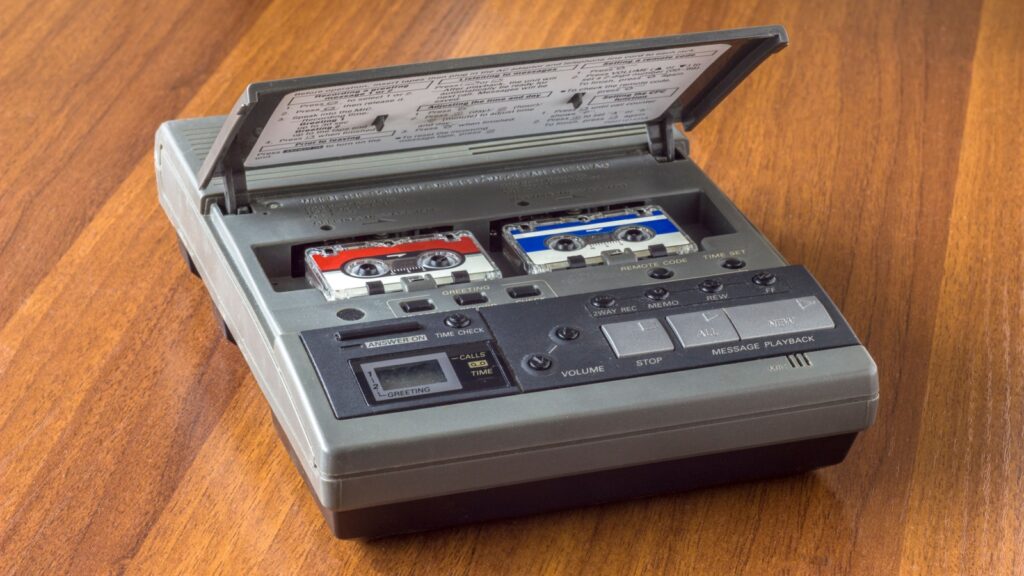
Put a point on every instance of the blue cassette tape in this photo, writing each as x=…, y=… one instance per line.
x=576, y=241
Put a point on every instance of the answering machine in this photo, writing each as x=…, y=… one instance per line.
x=495, y=286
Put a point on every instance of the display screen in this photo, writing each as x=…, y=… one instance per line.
x=409, y=375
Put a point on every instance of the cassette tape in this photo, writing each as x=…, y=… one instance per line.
x=576, y=241
x=358, y=269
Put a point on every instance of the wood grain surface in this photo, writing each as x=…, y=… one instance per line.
x=884, y=150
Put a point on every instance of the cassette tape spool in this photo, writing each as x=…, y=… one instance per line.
x=343, y=271
x=576, y=241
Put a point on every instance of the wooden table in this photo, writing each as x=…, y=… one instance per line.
x=883, y=150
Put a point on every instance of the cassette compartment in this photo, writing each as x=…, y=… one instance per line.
x=692, y=210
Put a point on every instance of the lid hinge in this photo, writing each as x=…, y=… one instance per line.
x=661, y=139
x=235, y=186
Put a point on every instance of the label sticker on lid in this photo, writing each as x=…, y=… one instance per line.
x=477, y=105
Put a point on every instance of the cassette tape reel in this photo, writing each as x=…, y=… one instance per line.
x=575, y=241
x=343, y=271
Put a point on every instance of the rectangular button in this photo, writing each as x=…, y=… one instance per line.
x=703, y=328
x=470, y=298
x=780, y=317
x=637, y=337
x=411, y=306
x=523, y=291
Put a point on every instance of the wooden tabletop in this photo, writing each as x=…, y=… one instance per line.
x=883, y=150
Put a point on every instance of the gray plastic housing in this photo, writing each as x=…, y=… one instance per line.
x=246, y=261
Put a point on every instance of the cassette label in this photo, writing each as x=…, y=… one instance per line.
x=550, y=244
x=358, y=269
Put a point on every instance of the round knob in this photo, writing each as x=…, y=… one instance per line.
x=457, y=320
x=567, y=333
x=538, y=362
x=710, y=286
x=764, y=279
x=658, y=293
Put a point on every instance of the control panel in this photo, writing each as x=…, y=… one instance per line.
x=664, y=326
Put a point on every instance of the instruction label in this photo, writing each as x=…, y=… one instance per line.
x=476, y=105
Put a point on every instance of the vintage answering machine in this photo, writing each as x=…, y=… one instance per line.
x=494, y=286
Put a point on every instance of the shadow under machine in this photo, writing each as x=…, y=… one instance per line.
x=494, y=286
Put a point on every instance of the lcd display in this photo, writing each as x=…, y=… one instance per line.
x=409, y=375
x=398, y=378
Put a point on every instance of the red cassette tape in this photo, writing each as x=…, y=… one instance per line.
x=343, y=271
